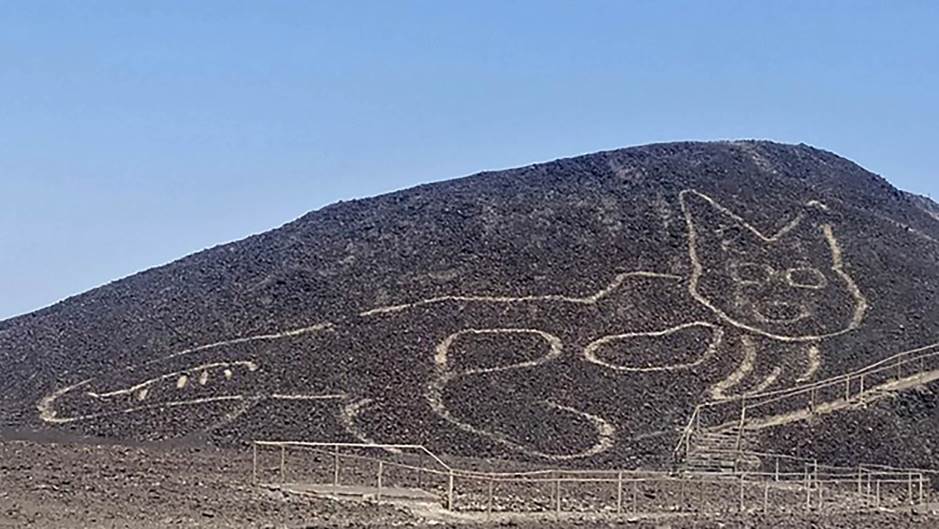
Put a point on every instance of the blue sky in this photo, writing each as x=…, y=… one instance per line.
x=133, y=133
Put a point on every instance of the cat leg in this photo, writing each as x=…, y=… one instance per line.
x=813, y=361
x=726, y=388
x=766, y=365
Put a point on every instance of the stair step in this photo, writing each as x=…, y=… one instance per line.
x=722, y=456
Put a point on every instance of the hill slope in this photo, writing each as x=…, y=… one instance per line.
x=573, y=311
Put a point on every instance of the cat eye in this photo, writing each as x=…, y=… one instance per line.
x=750, y=273
x=806, y=278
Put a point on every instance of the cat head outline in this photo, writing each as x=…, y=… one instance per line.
x=791, y=286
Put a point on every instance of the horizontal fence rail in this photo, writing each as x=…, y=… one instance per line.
x=413, y=473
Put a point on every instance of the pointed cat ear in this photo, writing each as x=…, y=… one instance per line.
x=716, y=227
x=711, y=220
x=809, y=231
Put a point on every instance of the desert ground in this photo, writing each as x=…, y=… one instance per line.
x=56, y=483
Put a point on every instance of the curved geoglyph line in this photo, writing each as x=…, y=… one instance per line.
x=46, y=405
x=718, y=390
x=837, y=266
x=442, y=351
x=443, y=372
x=289, y=333
x=590, y=352
x=814, y=362
x=604, y=431
x=348, y=415
x=180, y=376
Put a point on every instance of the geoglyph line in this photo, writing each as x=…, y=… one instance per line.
x=176, y=374
x=50, y=415
x=441, y=358
x=588, y=300
x=590, y=352
x=604, y=431
x=746, y=366
x=815, y=361
x=328, y=396
x=348, y=415
x=837, y=266
x=324, y=326
x=767, y=382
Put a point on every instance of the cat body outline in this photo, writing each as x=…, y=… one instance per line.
x=708, y=226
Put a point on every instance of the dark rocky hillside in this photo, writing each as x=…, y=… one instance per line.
x=571, y=312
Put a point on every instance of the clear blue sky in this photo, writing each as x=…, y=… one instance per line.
x=135, y=132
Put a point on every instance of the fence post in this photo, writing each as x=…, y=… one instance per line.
x=381, y=468
x=860, y=482
x=818, y=484
x=927, y=483
x=557, y=493
x=922, y=498
x=808, y=490
x=877, y=503
x=821, y=493
x=812, y=403
x=861, y=392
x=420, y=469
x=777, y=469
x=910, y=489
x=489, y=502
x=450, y=492
x=635, y=496
x=766, y=497
x=283, y=463
x=681, y=495
x=254, y=463
x=619, y=492
x=335, y=465
x=701, y=496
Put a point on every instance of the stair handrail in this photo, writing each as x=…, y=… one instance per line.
x=758, y=399
x=684, y=440
x=767, y=397
x=894, y=362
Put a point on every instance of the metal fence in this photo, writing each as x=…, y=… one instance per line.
x=380, y=472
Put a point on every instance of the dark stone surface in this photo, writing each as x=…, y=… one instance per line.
x=566, y=228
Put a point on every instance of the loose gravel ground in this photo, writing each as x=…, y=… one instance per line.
x=72, y=484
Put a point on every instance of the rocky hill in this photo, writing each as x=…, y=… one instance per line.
x=571, y=312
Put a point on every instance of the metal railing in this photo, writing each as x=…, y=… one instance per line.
x=809, y=399
x=798, y=484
